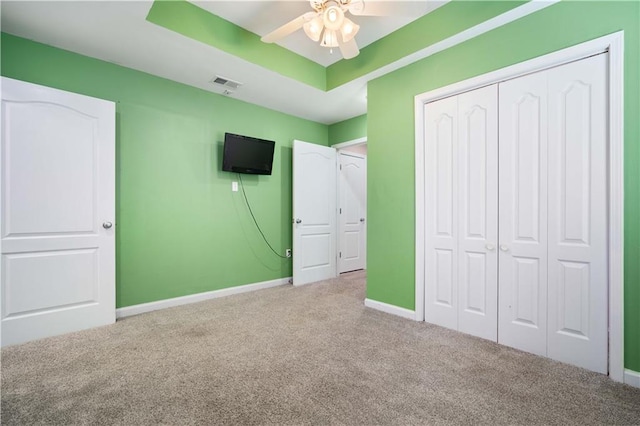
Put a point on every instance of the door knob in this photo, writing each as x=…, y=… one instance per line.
x=504, y=248
x=489, y=247
x=362, y=219
x=107, y=225
x=298, y=220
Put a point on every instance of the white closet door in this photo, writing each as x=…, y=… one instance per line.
x=523, y=213
x=478, y=212
x=578, y=213
x=441, y=221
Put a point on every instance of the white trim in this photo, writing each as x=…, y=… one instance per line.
x=390, y=309
x=199, y=297
x=632, y=378
x=420, y=208
x=353, y=142
x=616, y=206
x=613, y=44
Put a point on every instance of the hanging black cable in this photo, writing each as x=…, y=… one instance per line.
x=246, y=200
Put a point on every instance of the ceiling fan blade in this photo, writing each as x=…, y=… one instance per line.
x=381, y=8
x=288, y=28
x=348, y=49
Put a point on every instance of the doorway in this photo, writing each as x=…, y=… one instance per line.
x=352, y=205
x=329, y=210
x=352, y=209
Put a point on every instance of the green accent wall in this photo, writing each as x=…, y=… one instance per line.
x=436, y=26
x=390, y=130
x=196, y=23
x=191, y=21
x=180, y=230
x=348, y=130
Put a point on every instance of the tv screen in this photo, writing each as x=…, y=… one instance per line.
x=244, y=154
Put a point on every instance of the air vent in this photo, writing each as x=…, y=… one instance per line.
x=222, y=81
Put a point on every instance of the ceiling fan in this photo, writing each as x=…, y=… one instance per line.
x=328, y=24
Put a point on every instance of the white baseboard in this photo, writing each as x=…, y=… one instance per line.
x=632, y=378
x=390, y=309
x=199, y=297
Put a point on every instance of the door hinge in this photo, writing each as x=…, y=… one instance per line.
x=340, y=166
x=340, y=210
x=340, y=255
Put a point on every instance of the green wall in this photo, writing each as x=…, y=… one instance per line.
x=348, y=130
x=390, y=130
x=198, y=24
x=436, y=26
x=180, y=230
x=194, y=22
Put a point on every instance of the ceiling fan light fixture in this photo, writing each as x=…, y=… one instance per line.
x=349, y=29
x=333, y=17
x=327, y=24
x=313, y=28
x=329, y=38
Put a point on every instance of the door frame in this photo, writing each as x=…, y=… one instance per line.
x=338, y=147
x=614, y=45
x=346, y=144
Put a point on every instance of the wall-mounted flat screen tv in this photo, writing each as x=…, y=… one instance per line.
x=244, y=154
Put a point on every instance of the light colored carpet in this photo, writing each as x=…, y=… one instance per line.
x=310, y=355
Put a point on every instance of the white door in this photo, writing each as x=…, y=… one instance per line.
x=58, y=212
x=441, y=212
x=461, y=212
x=578, y=281
x=523, y=213
x=314, y=212
x=478, y=212
x=352, y=209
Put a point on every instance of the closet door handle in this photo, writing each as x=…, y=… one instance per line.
x=490, y=247
x=504, y=248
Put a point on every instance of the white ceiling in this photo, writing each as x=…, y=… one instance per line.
x=263, y=16
x=117, y=31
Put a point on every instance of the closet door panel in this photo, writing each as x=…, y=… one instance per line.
x=441, y=248
x=578, y=282
x=522, y=321
x=478, y=212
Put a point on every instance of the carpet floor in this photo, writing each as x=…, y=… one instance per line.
x=308, y=355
